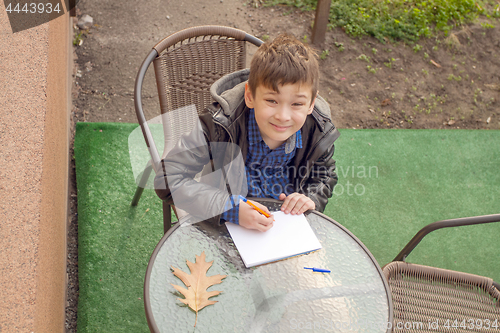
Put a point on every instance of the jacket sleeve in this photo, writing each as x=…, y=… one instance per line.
x=175, y=179
x=322, y=179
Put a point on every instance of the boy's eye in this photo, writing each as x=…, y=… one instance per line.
x=271, y=101
x=298, y=104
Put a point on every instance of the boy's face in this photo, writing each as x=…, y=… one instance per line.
x=280, y=114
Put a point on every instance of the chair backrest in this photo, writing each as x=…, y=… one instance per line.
x=190, y=61
x=432, y=297
x=186, y=64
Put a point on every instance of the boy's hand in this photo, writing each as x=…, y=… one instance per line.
x=296, y=203
x=251, y=219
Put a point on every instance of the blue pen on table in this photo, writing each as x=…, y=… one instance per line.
x=322, y=270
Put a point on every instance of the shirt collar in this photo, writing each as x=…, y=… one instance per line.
x=295, y=141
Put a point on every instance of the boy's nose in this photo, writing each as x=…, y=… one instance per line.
x=283, y=114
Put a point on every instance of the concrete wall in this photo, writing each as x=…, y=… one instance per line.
x=35, y=101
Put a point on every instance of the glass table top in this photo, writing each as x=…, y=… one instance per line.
x=276, y=297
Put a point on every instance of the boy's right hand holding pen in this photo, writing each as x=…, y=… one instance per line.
x=251, y=218
x=254, y=215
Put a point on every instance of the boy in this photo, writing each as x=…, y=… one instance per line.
x=272, y=112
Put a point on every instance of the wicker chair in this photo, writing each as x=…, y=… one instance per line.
x=186, y=64
x=429, y=299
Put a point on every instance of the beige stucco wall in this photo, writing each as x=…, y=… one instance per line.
x=34, y=137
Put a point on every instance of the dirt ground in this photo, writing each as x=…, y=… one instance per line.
x=451, y=82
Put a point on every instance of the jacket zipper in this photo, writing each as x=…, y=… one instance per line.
x=223, y=126
x=302, y=181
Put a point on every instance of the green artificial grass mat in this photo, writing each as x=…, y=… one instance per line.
x=391, y=184
x=115, y=240
x=394, y=182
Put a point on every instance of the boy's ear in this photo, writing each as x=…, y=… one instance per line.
x=248, y=96
x=311, y=108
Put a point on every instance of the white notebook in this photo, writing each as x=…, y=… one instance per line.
x=290, y=235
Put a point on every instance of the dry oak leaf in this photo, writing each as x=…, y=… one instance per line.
x=196, y=296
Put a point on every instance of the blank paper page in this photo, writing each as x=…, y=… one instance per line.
x=290, y=235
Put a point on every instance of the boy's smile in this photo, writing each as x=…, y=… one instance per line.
x=280, y=114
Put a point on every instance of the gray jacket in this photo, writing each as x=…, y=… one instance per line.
x=221, y=138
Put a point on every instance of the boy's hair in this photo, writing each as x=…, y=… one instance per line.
x=285, y=60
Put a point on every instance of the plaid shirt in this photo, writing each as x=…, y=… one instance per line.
x=266, y=170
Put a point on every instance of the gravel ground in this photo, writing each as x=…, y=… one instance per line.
x=72, y=240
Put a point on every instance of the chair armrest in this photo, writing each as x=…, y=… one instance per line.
x=443, y=224
x=148, y=137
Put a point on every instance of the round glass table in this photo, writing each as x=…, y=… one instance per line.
x=276, y=297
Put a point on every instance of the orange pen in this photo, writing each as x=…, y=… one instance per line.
x=254, y=207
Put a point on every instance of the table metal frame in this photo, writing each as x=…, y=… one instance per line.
x=269, y=203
